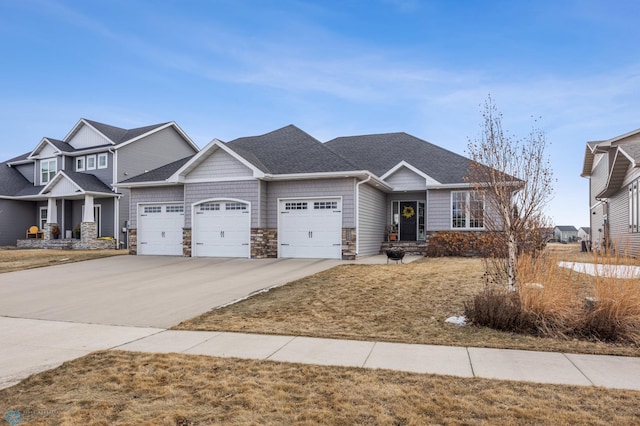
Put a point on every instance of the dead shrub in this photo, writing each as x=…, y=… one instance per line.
x=497, y=308
x=456, y=243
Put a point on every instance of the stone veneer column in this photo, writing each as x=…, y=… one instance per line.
x=133, y=241
x=264, y=243
x=186, y=242
x=48, y=230
x=349, y=243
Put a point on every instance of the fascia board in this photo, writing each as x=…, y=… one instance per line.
x=61, y=175
x=626, y=135
x=629, y=157
x=360, y=174
x=145, y=184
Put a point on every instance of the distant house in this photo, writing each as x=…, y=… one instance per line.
x=67, y=191
x=584, y=233
x=613, y=169
x=565, y=234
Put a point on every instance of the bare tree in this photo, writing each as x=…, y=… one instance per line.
x=516, y=177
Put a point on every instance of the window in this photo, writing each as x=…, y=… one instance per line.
x=467, y=210
x=235, y=206
x=153, y=209
x=325, y=205
x=43, y=217
x=175, y=209
x=634, y=207
x=103, y=161
x=91, y=162
x=48, y=169
x=295, y=206
x=79, y=164
x=209, y=207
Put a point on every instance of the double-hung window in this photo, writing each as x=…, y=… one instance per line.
x=467, y=210
x=103, y=160
x=91, y=162
x=79, y=164
x=48, y=169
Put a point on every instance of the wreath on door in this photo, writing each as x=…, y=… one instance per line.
x=408, y=212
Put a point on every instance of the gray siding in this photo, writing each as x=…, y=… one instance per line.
x=599, y=176
x=152, y=152
x=371, y=220
x=86, y=137
x=26, y=170
x=105, y=175
x=241, y=190
x=262, y=213
x=162, y=194
x=620, y=235
x=15, y=218
x=220, y=165
x=344, y=188
x=439, y=210
x=106, y=220
x=405, y=179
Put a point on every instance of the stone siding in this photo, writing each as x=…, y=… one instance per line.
x=349, y=243
x=186, y=242
x=133, y=241
x=264, y=243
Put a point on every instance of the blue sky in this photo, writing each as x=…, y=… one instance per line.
x=231, y=68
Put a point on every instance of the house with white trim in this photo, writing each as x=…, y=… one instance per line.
x=67, y=188
x=286, y=194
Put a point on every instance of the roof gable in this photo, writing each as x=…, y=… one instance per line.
x=47, y=148
x=71, y=184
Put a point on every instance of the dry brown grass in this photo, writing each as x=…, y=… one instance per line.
x=395, y=303
x=118, y=388
x=17, y=260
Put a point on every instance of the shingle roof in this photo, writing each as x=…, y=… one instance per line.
x=567, y=228
x=88, y=182
x=119, y=135
x=381, y=152
x=289, y=150
x=159, y=174
x=11, y=181
x=633, y=149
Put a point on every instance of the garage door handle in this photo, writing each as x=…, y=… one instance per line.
x=310, y=234
x=163, y=235
x=221, y=234
x=284, y=244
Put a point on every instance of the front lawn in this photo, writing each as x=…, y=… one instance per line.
x=12, y=259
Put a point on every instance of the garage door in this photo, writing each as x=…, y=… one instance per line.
x=311, y=228
x=222, y=229
x=160, y=229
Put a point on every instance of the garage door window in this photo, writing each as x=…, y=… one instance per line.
x=235, y=206
x=153, y=209
x=325, y=205
x=208, y=207
x=175, y=209
x=295, y=206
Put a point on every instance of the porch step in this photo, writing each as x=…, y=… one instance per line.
x=418, y=248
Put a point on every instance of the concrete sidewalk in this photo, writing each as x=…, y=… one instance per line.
x=31, y=346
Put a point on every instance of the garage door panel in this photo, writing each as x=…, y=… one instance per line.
x=311, y=228
x=160, y=229
x=222, y=229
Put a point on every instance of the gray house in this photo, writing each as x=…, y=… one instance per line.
x=67, y=188
x=613, y=169
x=286, y=194
x=565, y=234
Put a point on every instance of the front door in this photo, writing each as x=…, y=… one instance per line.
x=408, y=220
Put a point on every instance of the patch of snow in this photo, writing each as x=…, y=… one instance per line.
x=462, y=320
x=617, y=271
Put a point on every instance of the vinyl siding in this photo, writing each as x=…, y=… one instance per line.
x=620, y=235
x=105, y=175
x=106, y=219
x=86, y=137
x=47, y=151
x=248, y=191
x=220, y=165
x=406, y=180
x=163, y=194
x=599, y=176
x=344, y=188
x=438, y=210
x=15, y=218
x=152, y=152
x=262, y=212
x=372, y=220
x=26, y=170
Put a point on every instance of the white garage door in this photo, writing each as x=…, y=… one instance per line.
x=311, y=228
x=160, y=229
x=222, y=229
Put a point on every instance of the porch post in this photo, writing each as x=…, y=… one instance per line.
x=52, y=211
x=87, y=214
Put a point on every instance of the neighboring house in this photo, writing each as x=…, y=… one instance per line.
x=584, y=233
x=613, y=169
x=565, y=234
x=70, y=185
x=286, y=194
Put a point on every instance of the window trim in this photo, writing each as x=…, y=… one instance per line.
x=78, y=160
x=95, y=164
x=466, y=211
x=50, y=174
x=106, y=160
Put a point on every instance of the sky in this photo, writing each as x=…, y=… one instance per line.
x=232, y=68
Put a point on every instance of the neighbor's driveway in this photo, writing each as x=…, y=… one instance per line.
x=142, y=291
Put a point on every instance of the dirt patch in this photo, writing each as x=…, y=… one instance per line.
x=17, y=260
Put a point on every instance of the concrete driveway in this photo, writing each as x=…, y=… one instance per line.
x=142, y=291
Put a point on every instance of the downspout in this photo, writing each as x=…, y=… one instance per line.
x=357, y=205
x=116, y=201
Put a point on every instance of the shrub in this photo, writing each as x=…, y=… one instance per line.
x=456, y=243
x=497, y=308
